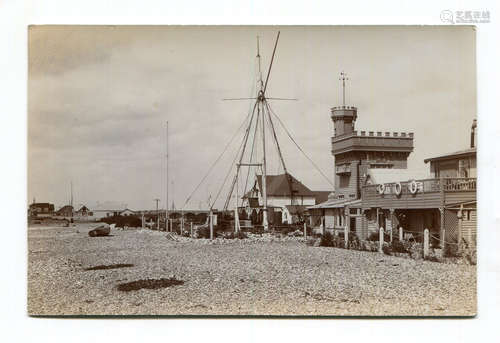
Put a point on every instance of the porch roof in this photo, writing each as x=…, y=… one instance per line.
x=336, y=203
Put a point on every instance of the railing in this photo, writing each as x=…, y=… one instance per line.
x=343, y=169
x=459, y=184
x=423, y=186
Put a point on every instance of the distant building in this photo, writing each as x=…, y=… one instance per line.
x=287, y=200
x=128, y=212
x=41, y=209
x=65, y=211
x=107, y=209
x=83, y=214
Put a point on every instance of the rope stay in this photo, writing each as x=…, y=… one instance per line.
x=228, y=144
x=229, y=171
x=300, y=149
x=216, y=161
x=287, y=175
x=251, y=156
x=244, y=145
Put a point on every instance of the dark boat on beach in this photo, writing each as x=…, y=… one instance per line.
x=102, y=230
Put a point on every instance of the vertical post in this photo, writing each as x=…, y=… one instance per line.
x=236, y=220
x=166, y=204
x=460, y=222
x=142, y=220
x=191, y=235
x=305, y=230
x=181, y=229
x=157, y=215
x=426, y=243
x=392, y=222
x=346, y=236
x=380, y=239
x=211, y=225
x=442, y=232
x=400, y=234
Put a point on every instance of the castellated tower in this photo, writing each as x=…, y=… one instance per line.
x=357, y=152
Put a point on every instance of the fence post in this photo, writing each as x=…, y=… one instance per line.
x=142, y=221
x=400, y=234
x=380, y=239
x=346, y=236
x=191, y=235
x=305, y=231
x=426, y=243
x=459, y=231
x=211, y=226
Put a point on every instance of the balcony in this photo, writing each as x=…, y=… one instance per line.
x=430, y=193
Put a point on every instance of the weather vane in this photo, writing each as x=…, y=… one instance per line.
x=343, y=78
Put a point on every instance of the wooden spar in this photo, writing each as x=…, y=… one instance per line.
x=264, y=172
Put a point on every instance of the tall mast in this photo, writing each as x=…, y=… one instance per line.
x=261, y=99
x=264, y=171
x=166, y=203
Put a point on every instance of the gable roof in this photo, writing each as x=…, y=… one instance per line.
x=321, y=196
x=65, y=208
x=336, y=203
x=279, y=185
x=461, y=153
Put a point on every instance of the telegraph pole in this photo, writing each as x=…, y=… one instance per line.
x=166, y=206
x=157, y=215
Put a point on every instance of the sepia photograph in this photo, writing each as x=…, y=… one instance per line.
x=252, y=171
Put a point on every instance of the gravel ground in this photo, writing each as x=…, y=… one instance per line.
x=237, y=277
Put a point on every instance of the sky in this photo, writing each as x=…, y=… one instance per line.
x=99, y=98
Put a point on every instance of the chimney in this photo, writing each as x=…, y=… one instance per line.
x=473, y=134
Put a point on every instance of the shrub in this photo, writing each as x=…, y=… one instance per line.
x=398, y=246
x=327, y=240
x=311, y=241
x=354, y=242
x=122, y=221
x=471, y=256
x=374, y=236
x=451, y=250
x=386, y=248
x=204, y=232
x=257, y=230
x=237, y=235
x=432, y=258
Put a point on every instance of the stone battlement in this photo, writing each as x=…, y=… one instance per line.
x=335, y=108
x=378, y=134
